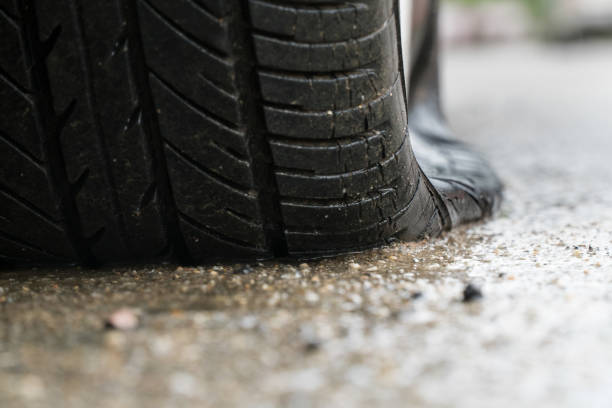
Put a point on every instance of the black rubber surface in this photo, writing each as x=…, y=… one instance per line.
x=191, y=130
x=465, y=182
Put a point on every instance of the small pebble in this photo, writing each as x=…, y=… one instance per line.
x=312, y=345
x=243, y=270
x=471, y=293
x=123, y=319
x=311, y=297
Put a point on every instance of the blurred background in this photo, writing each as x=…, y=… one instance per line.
x=502, y=20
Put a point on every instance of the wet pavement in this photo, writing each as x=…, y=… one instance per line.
x=394, y=326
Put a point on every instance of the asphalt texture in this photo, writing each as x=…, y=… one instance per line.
x=516, y=311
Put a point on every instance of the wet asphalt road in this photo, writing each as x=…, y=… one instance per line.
x=383, y=328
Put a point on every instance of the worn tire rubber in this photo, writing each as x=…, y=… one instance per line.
x=192, y=130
